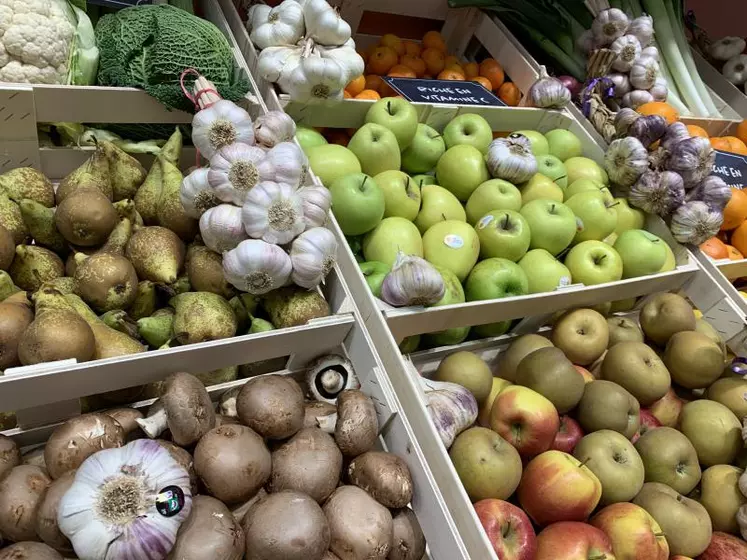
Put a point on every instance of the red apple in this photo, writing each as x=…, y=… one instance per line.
x=667, y=409
x=569, y=434
x=556, y=487
x=634, y=534
x=648, y=422
x=571, y=540
x=585, y=373
x=725, y=547
x=508, y=528
x=525, y=419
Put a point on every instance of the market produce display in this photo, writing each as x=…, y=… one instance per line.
x=619, y=436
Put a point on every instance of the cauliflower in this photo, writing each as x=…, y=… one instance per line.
x=39, y=41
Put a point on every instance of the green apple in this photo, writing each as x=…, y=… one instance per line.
x=398, y=115
x=585, y=168
x=453, y=294
x=552, y=168
x=540, y=186
x=552, y=224
x=670, y=263
x=582, y=185
x=309, y=138
x=391, y=236
x=469, y=129
x=423, y=153
x=495, y=279
x=564, y=145
x=423, y=180
x=401, y=194
x=375, y=272
x=332, y=161
x=540, y=145
x=409, y=344
x=595, y=216
x=490, y=330
x=627, y=217
x=376, y=148
x=504, y=234
x=452, y=245
x=357, y=202
x=642, y=252
x=461, y=170
x=438, y=205
x=495, y=194
x=594, y=262
x=544, y=271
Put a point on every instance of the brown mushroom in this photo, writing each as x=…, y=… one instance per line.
x=408, y=542
x=328, y=376
x=185, y=460
x=10, y=455
x=317, y=409
x=21, y=494
x=385, y=476
x=209, y=533
x=232, y=462
x=271, y=405
x=29, y=551
x=127, y=418
x=46, y=517
x=357, y=426
x=77, y=439
x=186, y=410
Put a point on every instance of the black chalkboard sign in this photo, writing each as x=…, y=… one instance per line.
x=443, y=92
x=732, y=168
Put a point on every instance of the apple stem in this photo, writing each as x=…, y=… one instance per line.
x=389, y=107
x=507, y=530
x=365, y=178
x=583, y=464
x=658, y=535
x=613, y=205
x=443, y=216
x=552, y=208
x=505, y=223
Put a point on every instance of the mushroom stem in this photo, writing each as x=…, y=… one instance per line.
x=327, y=423
x=332, y=381
x=154, y=425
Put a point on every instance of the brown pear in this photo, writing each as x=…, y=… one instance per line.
x=106, y=281
x=27, y=182
x=92, y=174
x=33, y=265
x=86, y=218
x=7, y=248
x=14, y=318
x=12, y=220
x=205, y=271
x=127, y=174
x=40, y=222
x=170, y=212
x=157, y=254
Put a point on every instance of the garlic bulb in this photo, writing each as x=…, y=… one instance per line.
x=313, y=254
x=625, y=161
x=676, y=133
x=273, y=212
x=287, y=164
x=609, y=25
x=624, y=119
x=727, y=48
x=585, y=42
x=222, y=228
x=452, y=408
x=274, y=127
x=512, y=159
x=650, y=52
x=627, y=49
x=235, y=170
x=276, y=62
x=257, y=267
x=648, y=129
x=643, y=73
x=660, y=90
x=548, y=93
x=314, y=79
x=317, y=200
x=643, y=29
x=196, y=194
x=713, y=191
x=636, y=98
x=284, y=26
x=735, y=69
x=694, y=223
x=220, y=125
x=257, y=15
x=622, y=83
x=347, y=57
x=412, y=281
x=324, y=24
x=693, y=159
x=126, y=503
x=659, y=193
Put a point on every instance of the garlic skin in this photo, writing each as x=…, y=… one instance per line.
x=257, y=267
x=286, y=163
x=452, y=407
x=676, y=133
x=314, y=79
x=511, y=159
x=624, y=119
x=256, y=15
x=727, y=48
x=622, y=83
x=274, y=127
x=222, y=228
x=627, y=49
x=347, y=57
x=660, y=90
x=735, y=69
x=643, y=73
x=713, y=191
x=659, y=193
x=693, y=159
x=548, y=93
x=313, y=254
x=277, y=62
x=118, y=504
x=220, y=125
x=196, y=194
x=412, y=281
x=317, y=200
x=648, y=129
x=625, y=161
x=284, y=26
x=636, y=98
x=235, y=170
x=651, y=52
x=609, y=25
x=695, y=223
x=643, y=29
x=273, y=212
x=324, y=25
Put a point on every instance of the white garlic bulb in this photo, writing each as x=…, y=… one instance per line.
x=511, y=159
x=222, y=228
x=548, y=93
x=273, y=212
x=126, y=503
x=314, y=79
x=276, y=62
x=256, y=15
x=627, y=49
x=274, y=127
x=643, y=73
x=660, y=89
x=220, y=125
x=257, y=267
x=643, y=29
x=650, y=52
x=287, y=164
x=317, y=200
x=609, y=25
x=324, y=24
x=313, y=254
x=284, y=26
x=727, y=48
x=622, y=83
x=196, y=195
x=636, y=98
x=625, y=161
x=235, y=170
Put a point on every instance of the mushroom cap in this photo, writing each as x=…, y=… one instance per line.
x=185, y=460
x=46, y=518
x=385, y=476
x=408, y=542
x=329, y=375
x=126, y=417
x=357, y=428
x=272, y=405
x=210, y=531
x=21, y=494
x=316, y=409
x=188, y=408
x=10, y=455
x=29, y=550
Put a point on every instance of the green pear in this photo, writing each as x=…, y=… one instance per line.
x=293, y=306
x=93, y=173
x=157, y=254
x=202, y=316
x=260, y=325
x=148, y=196
x=146, y=300
x=127, y=174
x=119, y=237
x=7, y=287
x=157, y=329
x=120, y=321
x=171, y=213
x=33, y=266
x=205, y=271
x=12, y=219
x=27, y=182
x=172, y=149
x=40, y=222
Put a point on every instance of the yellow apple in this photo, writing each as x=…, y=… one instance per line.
x=634, y=534
x=483, y=418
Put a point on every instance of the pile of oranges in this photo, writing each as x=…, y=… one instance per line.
x=731, y=242
x=401, y=58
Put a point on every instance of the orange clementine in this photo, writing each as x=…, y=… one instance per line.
x=487, y=63
x=368, y=94
x=374, y=83
x=337, y=136
x=742, y=131
x=471, y=70
x=346, y=95
x=435, y=61
x=696, y=130
x=455, y=68
x=401, y=71
x=356, y=85
x=659, y=108
x=494, y=73
x=412, y=48
x=734, y=254
x=720, y=143
x=392, y=41
x=735, y=212
x=715, y=248
x=433, y=40
x=381, y=60
x=451, y=59
x=427, y=76
x=484, y=82
x=739, y=238
x=736, y=145
x=450, y=75
x=414, y=63
x=510, y=94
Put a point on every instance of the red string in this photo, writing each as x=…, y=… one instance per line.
x=188, y=95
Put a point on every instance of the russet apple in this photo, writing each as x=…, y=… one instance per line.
x=376, y=148
x=634, y=534
x=526, y=419
x=669, y=458
x=667, y=409
x=723, y=547
x=398, y=115
x=624, y=329
x=720, y=495
x=483, y=417
x=571, y=540
x=495, y=194
x=563, y=144
x=461, y=170
x=607, y=406
x=713, y=429
x=582, y=334
x=568, y=436
x=556, y=487
x=453, y=245
x=637, y=368
x=730, y=392
x=508, y=528
x=509, y=359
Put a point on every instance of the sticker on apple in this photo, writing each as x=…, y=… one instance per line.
x=564, y=282
x=579, y=224
x=484, y=222
x=454, y=241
